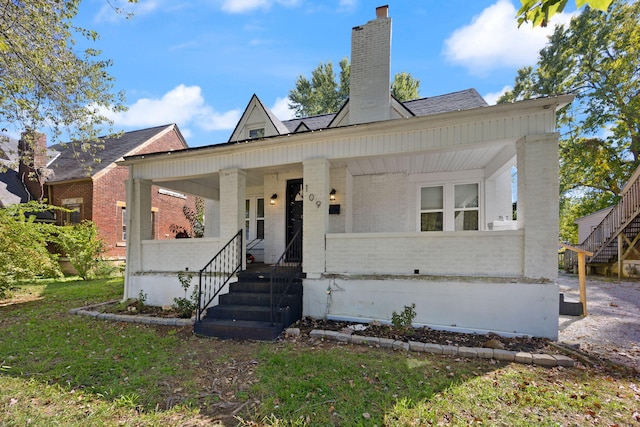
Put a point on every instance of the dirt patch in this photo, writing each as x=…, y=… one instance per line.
x=611, y=329
x=133, y=307
x=426, y=335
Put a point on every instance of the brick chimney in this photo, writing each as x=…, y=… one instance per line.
x=32, y=150
x=369, y=91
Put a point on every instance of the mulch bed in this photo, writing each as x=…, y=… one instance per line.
x=426, y=335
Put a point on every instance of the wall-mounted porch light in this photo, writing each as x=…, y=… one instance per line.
x=332, y=195
x=274, y=196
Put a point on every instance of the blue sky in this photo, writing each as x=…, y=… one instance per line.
x=197, y=62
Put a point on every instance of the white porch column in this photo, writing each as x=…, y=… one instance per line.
x=139, y=225
x=315, y=215
x=538, y=210
x=233, y=184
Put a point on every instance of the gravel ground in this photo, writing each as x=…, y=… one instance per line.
x=611, y=329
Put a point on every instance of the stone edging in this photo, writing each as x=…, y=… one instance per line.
x=147, y=320
x=546, y=360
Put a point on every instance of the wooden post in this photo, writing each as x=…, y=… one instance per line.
x=620, y=241
x=582, y=273
x=582, y=280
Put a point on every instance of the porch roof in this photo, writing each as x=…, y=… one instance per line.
x=480, y=138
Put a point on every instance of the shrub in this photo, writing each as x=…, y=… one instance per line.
x=23, y=246
x=186, y=306
x=83, y=246
x=404, y=319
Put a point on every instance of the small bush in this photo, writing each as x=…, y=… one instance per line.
x=404, y=319
x=186, y=306
x=83, y=246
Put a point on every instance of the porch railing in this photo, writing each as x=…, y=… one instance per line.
x=283, y=273
x=218, y=272
x=615, y=222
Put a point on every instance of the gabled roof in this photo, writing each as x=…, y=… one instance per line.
x=462, y=100
x=309, y=123
x=73, y=163
x=276, y=126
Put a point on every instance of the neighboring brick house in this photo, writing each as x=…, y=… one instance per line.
x=95, y=190
x=398, y=203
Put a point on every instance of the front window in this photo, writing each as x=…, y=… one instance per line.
x=431, y=208
x=254, y=218
x=466, y=207
x=450, y=207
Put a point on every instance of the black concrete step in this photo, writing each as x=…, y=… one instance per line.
x=238, y=329
x=256, y=298
x=265, y=287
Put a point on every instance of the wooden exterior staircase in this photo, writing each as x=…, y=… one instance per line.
x=618, y=234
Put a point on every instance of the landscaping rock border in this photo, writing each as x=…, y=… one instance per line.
x=540, y=359
x=147, y=320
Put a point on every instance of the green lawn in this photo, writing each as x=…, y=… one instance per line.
x=61, y=369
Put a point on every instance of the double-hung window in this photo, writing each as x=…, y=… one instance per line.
x=254, y=218
x=449, y=207
x=466, y=206
x=432, y=208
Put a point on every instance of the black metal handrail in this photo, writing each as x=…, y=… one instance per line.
x=285, y=271
x=252, y=244
x=217, y=273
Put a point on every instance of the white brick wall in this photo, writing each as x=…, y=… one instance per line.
x=465, y=253
x=380, y=203
x=179, y=254
x=538, y=209
x=369, y=98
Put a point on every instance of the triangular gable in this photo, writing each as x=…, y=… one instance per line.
x=302, y=127
x=257, y=121
x=399, y=110
x=342, y=116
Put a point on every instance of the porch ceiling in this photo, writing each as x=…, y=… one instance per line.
x=418, y=163
x=414, y=163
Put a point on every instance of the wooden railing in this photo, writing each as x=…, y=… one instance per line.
x=616, y=220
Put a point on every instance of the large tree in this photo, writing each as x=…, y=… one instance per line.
x=597, y=57
x=46, y=80
x=324, y=94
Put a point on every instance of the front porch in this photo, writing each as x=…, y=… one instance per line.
x=420, y=207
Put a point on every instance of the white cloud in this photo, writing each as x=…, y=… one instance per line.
x=281, y=109
x=493, y=40
x=183, y=105
x=492, y=97
x=242, y=6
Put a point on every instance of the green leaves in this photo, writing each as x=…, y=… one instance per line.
x=597, y=57
x=538, y=12
x=46, y=80
x=323, y=95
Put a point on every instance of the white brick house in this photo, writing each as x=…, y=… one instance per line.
x=421, y=212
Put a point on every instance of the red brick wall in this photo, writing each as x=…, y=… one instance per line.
x=104, y=198
x=57, y=193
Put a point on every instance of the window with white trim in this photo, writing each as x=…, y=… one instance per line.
x=254, y=218
x=466, y=207
x=432, y=208
x=449, y=207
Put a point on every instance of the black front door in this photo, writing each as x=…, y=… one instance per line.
x=294, y=219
